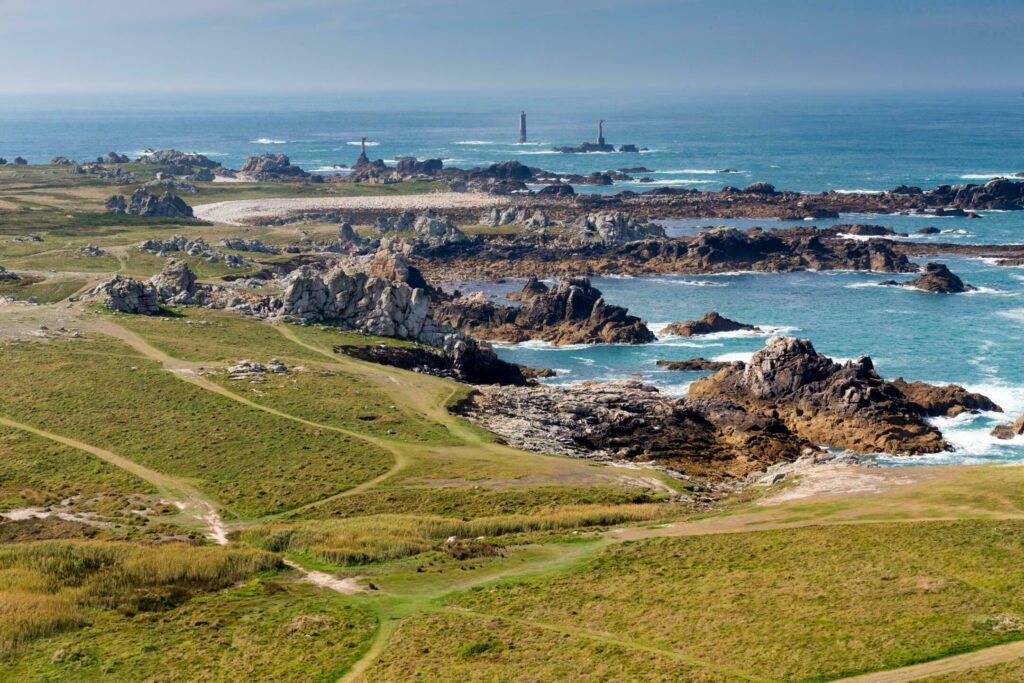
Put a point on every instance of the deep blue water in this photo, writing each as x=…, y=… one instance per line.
x=799, y=142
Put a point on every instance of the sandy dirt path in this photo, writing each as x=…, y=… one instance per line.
x=241, y=211
x=998, y=654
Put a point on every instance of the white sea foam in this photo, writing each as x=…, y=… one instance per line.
x=673, y=181
x=475, y=142
x=987, y=176
x=743, y=356
x=267, y=141
x=357, y=143
x=696, y=171
x=1014, y=314
x=686, y=283
x=331, y=169
x=858, y=191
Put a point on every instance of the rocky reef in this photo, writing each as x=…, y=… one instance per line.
x=1010, y=430
x=275, y=168
x=937, y=279
x=841, y=405
x=692, y=365
x=627, y=420
x=571, y=312
x=709, y=323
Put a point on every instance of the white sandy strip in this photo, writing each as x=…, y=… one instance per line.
x=239, y=211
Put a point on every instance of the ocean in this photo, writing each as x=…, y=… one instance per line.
x=856, y=143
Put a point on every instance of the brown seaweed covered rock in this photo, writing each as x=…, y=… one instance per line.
x=709, y=323
x=571, y=312
x=845, y=406
x=1009, y=430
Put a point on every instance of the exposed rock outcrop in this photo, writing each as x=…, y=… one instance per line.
x=571, y=312
x=128, y=295
x=937, y=279
x=6, y=275
x=845, y=406
x=273, y=167
x=175, y=162
x=145, y=204
x=610, y=228
x=943, y=401
x=176, y=284
x=240, y=244
x=436, y=231
x=1009, y=430
x=709, y=323
x=709, y=440
x=477, y=368
x=531, y=219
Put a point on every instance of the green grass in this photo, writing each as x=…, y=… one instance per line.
x=44, y=290
x=249, y=461
x=265, y=630
x=388, y=537
x=468, y=647
x=802, y=604
x=36, y=472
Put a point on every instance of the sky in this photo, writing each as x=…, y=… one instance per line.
x=98, y=46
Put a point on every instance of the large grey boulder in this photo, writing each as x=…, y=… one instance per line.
x=176, y=284
x=128, y=295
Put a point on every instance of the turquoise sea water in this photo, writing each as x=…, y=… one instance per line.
x=800, y=142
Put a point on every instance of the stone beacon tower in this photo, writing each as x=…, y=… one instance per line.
x=522, y=127
x=600, y=132
x=362, y=160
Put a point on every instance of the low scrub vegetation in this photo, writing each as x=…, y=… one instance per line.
x=389, y=537
x=47, y=587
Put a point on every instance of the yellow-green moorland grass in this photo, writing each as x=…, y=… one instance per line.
x=46, y=587
x=251, y=462
x=388, y=537
x=813, y=603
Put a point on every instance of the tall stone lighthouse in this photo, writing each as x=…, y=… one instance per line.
x=522, y=127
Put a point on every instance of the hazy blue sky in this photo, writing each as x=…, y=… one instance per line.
x=50, y=46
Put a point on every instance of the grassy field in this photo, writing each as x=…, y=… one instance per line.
x=249, y=461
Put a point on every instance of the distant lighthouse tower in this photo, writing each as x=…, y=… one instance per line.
x=600, y=132
x=522, y=127
x=363, y=159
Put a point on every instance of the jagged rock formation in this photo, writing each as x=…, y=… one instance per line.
x=943, y=401
x=572, y=312
x=610, y=228
x=476, y=368
x=176, y=284
x=196, y=247
x=709, y=323
x=274, y=167
x=436, y=231
x=709, y=440
x=128, y=295
x=937, y=279
x=239, y=244
x=531, y=219
x=845, y=406
x=692, y=365
x=175, y=162
x=144, y=204
x=1009, y=430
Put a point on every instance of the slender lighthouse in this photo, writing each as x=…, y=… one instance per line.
x=600, y=133
x=522, y=127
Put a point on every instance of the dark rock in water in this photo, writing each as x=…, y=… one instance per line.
x=636, y=169
x=928, y=231
x=508, y=170
x=907, y=190
x=270, y=167
x=115, y=158
x=692, y=365
x=627, y=420
x=843, y=406
x=943, y=401
x=632, y=149
x=20, y=161
x=473, y=368
x=709, y=323
x=938, y=279
x=571, y=312
x=410, y=166
x=760, y=188
x=1010, y=262
x=128, y=295
x=1010, y=429
x=556, y=191
x=865, y=230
